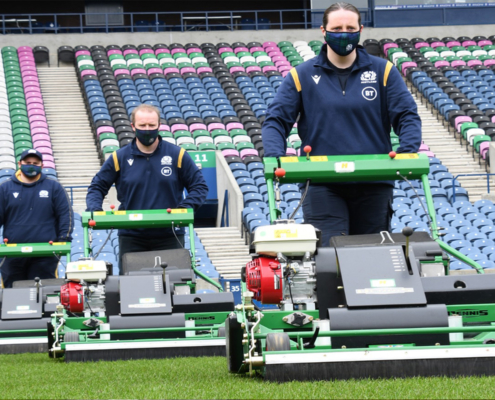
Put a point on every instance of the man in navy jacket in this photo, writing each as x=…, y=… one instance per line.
x=347, y=101
x=33, y=209
x=149, y=174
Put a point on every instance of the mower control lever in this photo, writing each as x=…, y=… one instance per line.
x=37, y=284
x=408, y=231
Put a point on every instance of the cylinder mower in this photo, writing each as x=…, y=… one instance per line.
x=379, y=306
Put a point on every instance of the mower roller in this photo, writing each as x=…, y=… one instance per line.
x=24, y=308
x=152, y=310
x=367, y=306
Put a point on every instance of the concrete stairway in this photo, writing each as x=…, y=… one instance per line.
x=226, y=249
x=74, y=149
x=447, y=148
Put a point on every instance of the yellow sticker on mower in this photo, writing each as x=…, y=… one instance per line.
x=285, y=233
x=119, y=212
x=289, y=159
x=318, y=158
x=406, y=156
x=178, y=211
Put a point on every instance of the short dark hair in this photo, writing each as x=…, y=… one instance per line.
x=340, y=6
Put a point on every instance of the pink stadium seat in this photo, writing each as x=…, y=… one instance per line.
x=248, y=152
x=82, y=53
x=291, y=152
x=230, y=152
x=44, y=150
x=114, y=51
x=117, y=72
x=439, y=64
x=484, y=146
x=269, y=44
x=107, y=129
x=472, y=63
x=34, y=100
x=177, y=50
x=282, y=63
x=130, y=51
x=468, y=43
x=284, y=68
x=253, y=68
x=269, y=68
x=234, y=125
x=34, y=106
x=239, y=49
x=48, y=157
x=164, y=128
x=154, y=71
x=38, y=124
x=48, y=164
x=224, y=49
x=493, y=118
x=171, y=69
x=179, y=127
x=201, y=70
x=185, y=70
x=32, y=94
x=27, y=63
x=37, y=117
x=193, y=50
x=215, y=125
x=236, y=69
x=33, y=79
x=428, y=153
x=458, y=121
x=271, y=48
x=137, y=71
x=421, y=44
x=88, y=72
x=434, y=45
x=284, y=73
x=39, y=129
x=160, y=51
x=489, y=62
x=387, y=46
x=42, y=143
x=423, y=147
x=457, y=63
x=24, y=48
x=40, y=137
x=196, y=126
x=25, y=73
x=255, y=49
x=275, y=53
x=146, y=51
x=453, y=43
x=482, y=43
x=406, y=65
x=34, y=89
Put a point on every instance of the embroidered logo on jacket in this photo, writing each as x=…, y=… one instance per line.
x=316, y=78
x=44, y=193
x=15, y=194
x=368, y=77
x=130, y=161
x=369, y=93
x=167, y=171
x=167, y=160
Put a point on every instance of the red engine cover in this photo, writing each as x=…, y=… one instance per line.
x=72, y=297
x=262, y=276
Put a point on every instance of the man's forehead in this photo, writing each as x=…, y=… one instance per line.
x=145, y=114
x=31, y=159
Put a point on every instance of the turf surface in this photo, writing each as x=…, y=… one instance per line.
x=35, y=376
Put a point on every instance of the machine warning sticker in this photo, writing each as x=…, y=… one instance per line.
x=26, y=249
x=151, y=305
x=318, y=158
x=22, y=308
x=289, y=159
x=135, y=217
x=285, y=233
x=85, y=267
x=344, y=167
x=59, y=243
x=380, y=283
x=11, y=245
x=178, y=211
x=398, y=290
x=406, y=156
x=147, y=300
x=119, y=212
x=100, y=213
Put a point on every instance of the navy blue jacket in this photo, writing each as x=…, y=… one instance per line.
x=334, y=122
x=149, y=182
x=35, y=212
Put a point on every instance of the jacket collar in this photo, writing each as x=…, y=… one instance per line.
x=17, y=178
x=363, y=59
x=136, y=152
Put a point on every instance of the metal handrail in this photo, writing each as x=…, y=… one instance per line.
x=156, y=26
x=457, y=176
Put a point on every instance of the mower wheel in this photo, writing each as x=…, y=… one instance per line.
x=277, y=342
x=233, y=340
x=71, y=337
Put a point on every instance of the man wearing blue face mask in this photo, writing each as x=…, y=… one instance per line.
x=347, y=101
x=33, y=209
x=149, y=174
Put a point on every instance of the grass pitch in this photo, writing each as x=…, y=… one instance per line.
x=35, y=376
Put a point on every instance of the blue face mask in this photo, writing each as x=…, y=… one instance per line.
x=31, y=170
x=342, y=43
x=147, y=138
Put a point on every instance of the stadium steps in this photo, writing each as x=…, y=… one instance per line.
x=226, y=249
x=74, y=149
x=447, y=149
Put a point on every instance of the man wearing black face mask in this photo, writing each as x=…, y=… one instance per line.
x=347, y=102
x=149, y=174
x=33, y=209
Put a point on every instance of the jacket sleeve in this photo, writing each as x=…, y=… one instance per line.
x=280, y=117
x=3, y=205
x=194, y=182
x=100, y=185
x=64, y=215
x=403, y=113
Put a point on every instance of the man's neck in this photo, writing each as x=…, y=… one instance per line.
x=341, y=61
x=147, y=149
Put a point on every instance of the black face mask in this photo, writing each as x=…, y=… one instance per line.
x=147, y=138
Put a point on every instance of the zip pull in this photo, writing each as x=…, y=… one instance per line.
x=343, y=92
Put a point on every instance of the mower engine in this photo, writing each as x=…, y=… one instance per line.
x=85, y=291
x=285, y=271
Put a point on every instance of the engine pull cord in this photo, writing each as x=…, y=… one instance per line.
x=302, y=199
